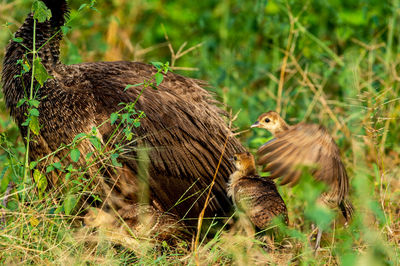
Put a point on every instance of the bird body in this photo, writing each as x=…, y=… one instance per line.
x=183, y=131
x=304, y=145
x=255, y=195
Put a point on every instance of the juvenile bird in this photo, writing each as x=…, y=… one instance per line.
x=305, y=145
x=255, y=195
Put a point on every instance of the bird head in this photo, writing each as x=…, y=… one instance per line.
x=272, y=122
x=244, y=161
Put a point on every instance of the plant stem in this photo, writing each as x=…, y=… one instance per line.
x=26, y=159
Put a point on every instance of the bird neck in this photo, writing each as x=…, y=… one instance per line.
x=282, y=127
x=18, y=60
x=249, y=170
x=240, y=173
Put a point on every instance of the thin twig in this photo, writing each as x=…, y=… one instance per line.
x=201, y=216
x=284, y=63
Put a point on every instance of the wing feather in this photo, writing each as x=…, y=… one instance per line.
x=305, y=145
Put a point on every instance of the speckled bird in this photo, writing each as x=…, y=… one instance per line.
x=256, y=196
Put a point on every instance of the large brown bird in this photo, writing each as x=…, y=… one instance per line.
x=183, y=131
x=256, y=196
x=302, y=145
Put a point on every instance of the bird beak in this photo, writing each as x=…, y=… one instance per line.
x=231, y=159
x=256, y=124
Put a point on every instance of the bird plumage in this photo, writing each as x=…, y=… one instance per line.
x=304, y=145
x=140, y=221
x=183, y=130
x=256, y=196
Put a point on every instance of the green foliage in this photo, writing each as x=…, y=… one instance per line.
x=40, y=12
x=41, y=74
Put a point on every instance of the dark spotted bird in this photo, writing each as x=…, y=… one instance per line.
x=307, y=145
x=256, y=196
x=183, y=131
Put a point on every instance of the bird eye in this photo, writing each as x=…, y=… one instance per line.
x=235, y=158
x=267, y=120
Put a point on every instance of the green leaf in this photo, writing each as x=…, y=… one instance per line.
x=82, y=7
x=21, y=102
x=34, y=125
x=67, y=176
x=166, y=68
x=4, y=180
x=75, y=154
x=71, y=168
x=80, y=135
x=65, y=29
x=136, y=124
x=40, y=180
x=95, y=142
x=40, y=11
x=33, y=165
x=114, y=160
x=34, y=103
x=34, y=112
x=131, y=86
x=18, y=39
x=128, y=134
x=26, y=122
x=113, y=118
x=49, y=168
x=41, y=74
x=125, y=117
x=25, y=66
x=96, y=198
x=157, y=65
x=57, y=165
x=88, y=155
x=69, y=204
x=159, y=78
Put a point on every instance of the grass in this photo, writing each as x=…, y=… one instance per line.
x=334, y=63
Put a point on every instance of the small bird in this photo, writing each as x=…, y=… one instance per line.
x=305, y=145
x=255, y=195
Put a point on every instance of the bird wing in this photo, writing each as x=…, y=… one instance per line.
x=302, y=145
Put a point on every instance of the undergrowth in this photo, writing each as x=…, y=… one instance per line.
x=334, y=63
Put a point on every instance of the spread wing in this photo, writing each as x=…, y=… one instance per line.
x=305, y=145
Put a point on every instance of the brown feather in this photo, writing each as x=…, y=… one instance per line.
x=299, y=146
x=183, y=131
